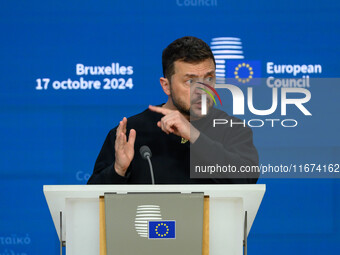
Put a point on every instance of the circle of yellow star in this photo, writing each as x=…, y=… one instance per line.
x=243, y=80
x=167, y=230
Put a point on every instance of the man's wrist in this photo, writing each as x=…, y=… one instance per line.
x=119, y=171
x=194, y=134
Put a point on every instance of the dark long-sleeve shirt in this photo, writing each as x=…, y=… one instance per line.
x=172, y=159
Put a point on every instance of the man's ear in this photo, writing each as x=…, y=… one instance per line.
x=165, y=85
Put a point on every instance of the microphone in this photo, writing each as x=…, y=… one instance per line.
x=146, y=154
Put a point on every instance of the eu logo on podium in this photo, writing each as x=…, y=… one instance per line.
x=162, y=229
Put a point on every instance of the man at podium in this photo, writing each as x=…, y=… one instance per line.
x=179, y=133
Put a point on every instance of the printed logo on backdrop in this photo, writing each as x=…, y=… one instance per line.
x=114, y=76
x=242, y=77
x=15, y=244
x=149, y=223
x=231, y=66
x=291, y=75
x=196, y=3
x=82, y=177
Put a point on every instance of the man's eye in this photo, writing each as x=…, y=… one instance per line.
x=189, y=82
x=209, y=79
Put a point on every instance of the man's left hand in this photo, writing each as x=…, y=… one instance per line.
x=174, y=122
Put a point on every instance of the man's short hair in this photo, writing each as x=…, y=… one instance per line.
x=188, y=49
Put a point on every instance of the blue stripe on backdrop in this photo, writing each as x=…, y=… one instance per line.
x=52, y=135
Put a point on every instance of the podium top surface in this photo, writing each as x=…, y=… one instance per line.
x=56, y=195
x=94, y=190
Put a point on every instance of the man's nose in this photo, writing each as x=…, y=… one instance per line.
x=200, y=87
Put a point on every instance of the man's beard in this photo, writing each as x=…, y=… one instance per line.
x=179, y=104
x=182, y=108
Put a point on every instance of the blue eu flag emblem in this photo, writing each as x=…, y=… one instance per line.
x=243, y=72
x=162, y=229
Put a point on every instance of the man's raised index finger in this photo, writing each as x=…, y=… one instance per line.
x=159, y=109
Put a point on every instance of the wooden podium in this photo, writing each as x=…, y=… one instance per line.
x=75, y=210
